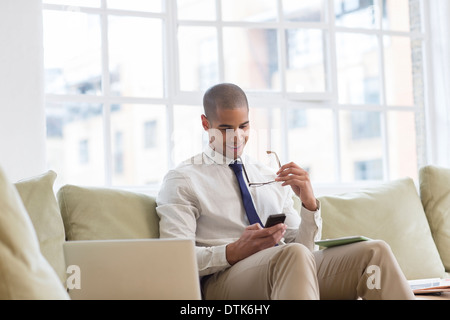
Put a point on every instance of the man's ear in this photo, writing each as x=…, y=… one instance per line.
x=205, y=123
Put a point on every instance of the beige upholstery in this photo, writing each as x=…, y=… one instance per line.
x=435, y=194
x=40, y=202
x=102, y=214
x=392, y=212
x=24, y=272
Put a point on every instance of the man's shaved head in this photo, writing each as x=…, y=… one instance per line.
x=226, y=96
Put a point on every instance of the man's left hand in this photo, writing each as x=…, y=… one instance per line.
x=293, y=175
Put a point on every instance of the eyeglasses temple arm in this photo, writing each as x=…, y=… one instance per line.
x=276, y=156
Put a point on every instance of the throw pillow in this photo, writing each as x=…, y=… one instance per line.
x=435, y=195
x=24, y=272
x=39, y=199
x=104, y=214
x=391, y=212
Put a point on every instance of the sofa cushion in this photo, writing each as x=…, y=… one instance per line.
x=391, y=212
x=435, y=195
x=91, y=213
x=24, y=272
x=39, y=199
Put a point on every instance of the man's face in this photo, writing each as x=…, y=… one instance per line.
x=229, y=131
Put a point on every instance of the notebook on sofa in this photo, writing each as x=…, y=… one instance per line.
x=328, y=243
x=147, y=269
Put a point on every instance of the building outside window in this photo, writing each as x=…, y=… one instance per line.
x=84, y=152
x=369, y=170
x=150, y=134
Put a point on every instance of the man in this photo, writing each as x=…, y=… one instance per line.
x=201, y=200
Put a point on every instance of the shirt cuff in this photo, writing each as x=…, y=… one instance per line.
x=309, y=215
x=220, y=256
x=212, y=259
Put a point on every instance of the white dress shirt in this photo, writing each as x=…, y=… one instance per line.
x=201, y=200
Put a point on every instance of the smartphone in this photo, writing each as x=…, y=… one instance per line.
x=275, y=219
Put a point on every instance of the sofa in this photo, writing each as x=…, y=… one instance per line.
x=35, y=221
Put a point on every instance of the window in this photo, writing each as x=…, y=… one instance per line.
x=84, y=152
x=334, y=85
x=118, y=153
x=369, y=170
x=365, y=125
x=150, y=134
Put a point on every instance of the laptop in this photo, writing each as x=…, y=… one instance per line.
x=144, y=269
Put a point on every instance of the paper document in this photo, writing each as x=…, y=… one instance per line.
x=433, y=285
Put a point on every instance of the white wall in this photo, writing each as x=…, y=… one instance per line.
x=22, y=118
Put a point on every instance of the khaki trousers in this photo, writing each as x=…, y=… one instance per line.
x=366, y=270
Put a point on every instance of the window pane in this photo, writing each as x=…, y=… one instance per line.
x=78, y=3
x=72, y=53
x=135, y=56
x=305, y=11
x=75, y=143
x=136, y=5
x=402, y=144
x=361, y=146
x=308, y=129
x=188, y=135
x=398, y=71
x=196, y=9
x=249, y=10
x=396, y=15
x=356, y=13
x=358, y=68
x=198, y=56
x=251, y=58
x=138, y=144
x=368, y=169
x=265, y=134
x=305, y=64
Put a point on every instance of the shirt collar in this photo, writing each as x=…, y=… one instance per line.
x=217, y=157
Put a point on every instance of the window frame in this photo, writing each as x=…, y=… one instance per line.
x=283, y=99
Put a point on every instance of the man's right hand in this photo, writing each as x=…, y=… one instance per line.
x=254, y=239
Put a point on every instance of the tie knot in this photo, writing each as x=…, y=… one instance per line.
x=236, y=166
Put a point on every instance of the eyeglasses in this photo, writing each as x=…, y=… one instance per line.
x=260, y=184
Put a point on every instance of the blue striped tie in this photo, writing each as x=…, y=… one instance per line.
x=252, y=215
